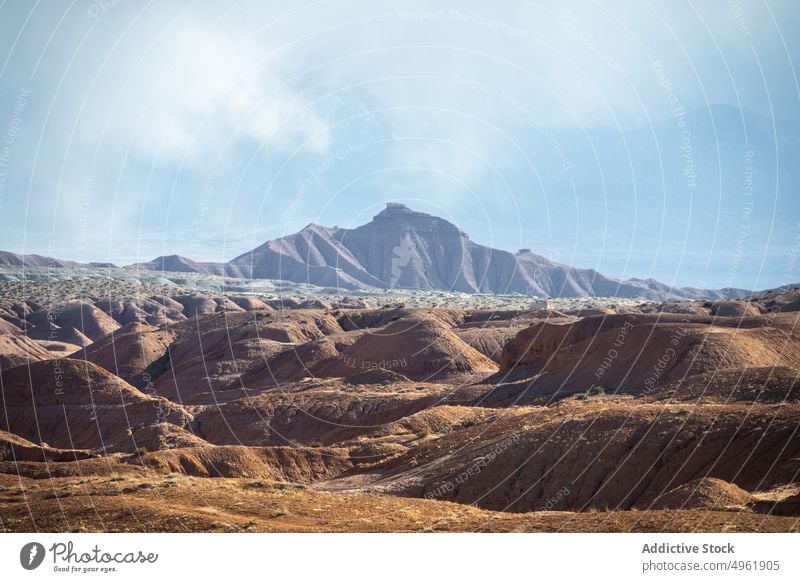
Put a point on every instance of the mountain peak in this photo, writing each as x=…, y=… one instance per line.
x=312, y=226
x=403, y=248
x=395, y=209
x=399, y=216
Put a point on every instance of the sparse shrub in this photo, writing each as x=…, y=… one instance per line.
x=288, y=485
x=135, y=455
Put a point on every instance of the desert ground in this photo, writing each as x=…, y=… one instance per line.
x=158, y=405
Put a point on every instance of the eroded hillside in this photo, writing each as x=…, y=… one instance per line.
x=224, y=412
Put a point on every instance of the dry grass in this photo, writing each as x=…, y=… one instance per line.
x=186, y=504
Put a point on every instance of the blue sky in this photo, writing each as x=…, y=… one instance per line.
x=643, y=140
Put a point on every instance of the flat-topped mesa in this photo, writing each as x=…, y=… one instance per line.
x=397, y=206
x=396, y=209
x=397, y=215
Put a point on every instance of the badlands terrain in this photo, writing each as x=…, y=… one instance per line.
x=159, y=404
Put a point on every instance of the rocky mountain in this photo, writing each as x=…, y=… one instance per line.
x=404, y=249
x=401, y=248
x=37, y=261
x=179, y=264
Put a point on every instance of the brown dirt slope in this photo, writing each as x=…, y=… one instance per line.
x=600, y=455
x=130, y=502
x=137, y=353
x=300, y=465
x=15, y=449
x=774, y=384
x=215, y=353
x=326, y=414
x=418, y=348
x=704, y=493
x=488, y=340
x=17, y=350
x=78, y=405
x=71, y=322
x=636, y=353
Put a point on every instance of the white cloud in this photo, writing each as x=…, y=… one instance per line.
x=206, y=92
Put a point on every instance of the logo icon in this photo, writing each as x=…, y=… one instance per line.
x=31, y=555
